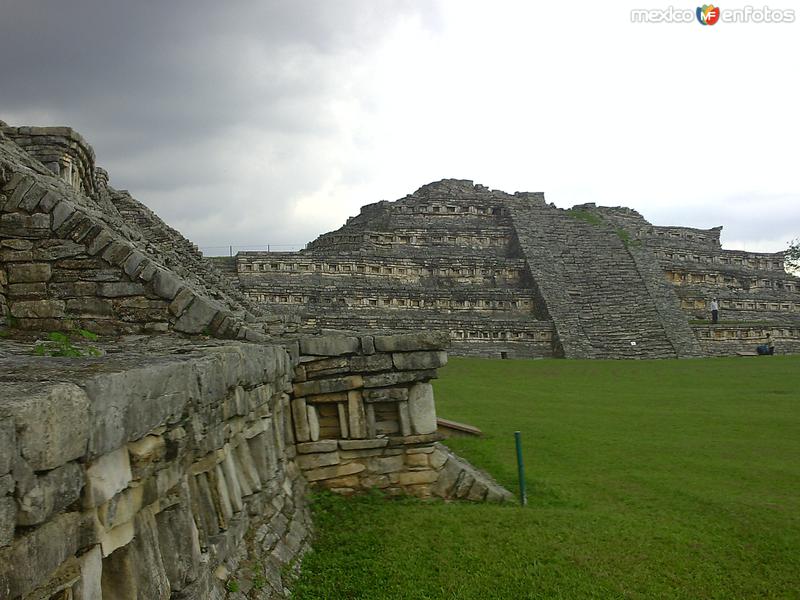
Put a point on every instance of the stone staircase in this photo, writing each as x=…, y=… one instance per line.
x=594, y=288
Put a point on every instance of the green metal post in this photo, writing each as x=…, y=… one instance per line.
x=523, y=494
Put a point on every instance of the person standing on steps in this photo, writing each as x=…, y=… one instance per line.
x=714, y=311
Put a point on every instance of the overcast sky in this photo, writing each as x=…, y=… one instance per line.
x=271, y=122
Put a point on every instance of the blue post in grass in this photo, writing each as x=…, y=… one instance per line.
x=523, y=495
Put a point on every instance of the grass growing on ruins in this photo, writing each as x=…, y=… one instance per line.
x=647, y=479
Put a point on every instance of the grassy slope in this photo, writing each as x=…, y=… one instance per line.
x=666, y=479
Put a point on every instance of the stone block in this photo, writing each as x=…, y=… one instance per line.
x=38, y=309
x=417, y=477
x=300, y=420
x=90, y=307
x=410, y=361
x=320, y=446
x=313, y=422
x=106, y=477
x=385, y=464
x=330, y=345
x=386, y=395
x=374, y=362
x=179, y=544
x=116, y=538
x=137, y=572
x=357, y=418
x=315, y=461
x=422, y=409
x=122, y=508
x=334, y=471
x=8, y=445
x=397, y=377
x=129, y=404
x=8, y=519
x=327, y=386
x=409, y=342
x=51, y=493
x=405, y=418
x=34, y=556
x=197, y=317
x=363, y=444
x=51, y=420
x=368, y=344
x=29, y=272
x=91, y=569
x=118, y=289
x=326, y=367
x=321, y=398
x=247, y=469
x=61, y=212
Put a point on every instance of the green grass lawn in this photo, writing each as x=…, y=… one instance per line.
x=646, y=479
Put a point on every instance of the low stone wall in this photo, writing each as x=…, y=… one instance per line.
x=146, y=475
x=364, y=417
x=725, y=340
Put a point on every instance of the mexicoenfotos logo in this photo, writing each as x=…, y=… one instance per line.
x=708, y=14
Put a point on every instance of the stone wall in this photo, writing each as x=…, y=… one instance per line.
x=148, y=473
x=69, y=263
x=364, y=417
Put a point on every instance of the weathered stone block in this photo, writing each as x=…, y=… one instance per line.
x=91, y=568
x=51, y=420
x=409, y=361
x=300, y=419
x=363, y=444
x=106, y=477
x=8, y=444
x=313, y=422
x=334, y=471
x=386, y=394
x=329, y=345
x=32, y=557
x=8, y=519
x=357, y=418
x=129, y=404
x=197, y=318
x=315, y=461
x=374, y=362
x=408, y=342
x=38, y=309
x=320, y=446
x=29, y=272
x=397, y=377
x=327, y=386
x=119, y=289
x=51, y=493
x=179, y=544
x=422, y=409
x=416, y=477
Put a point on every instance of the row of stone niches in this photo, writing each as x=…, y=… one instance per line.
x=420, y=238
x=754, y=333
x=706, y=238
x=688, y=277
x=750, y=261
x=450, y=209
x=702, y=303
x=523, y=305
x=249, y=265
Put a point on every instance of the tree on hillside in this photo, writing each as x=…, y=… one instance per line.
x=792, y=259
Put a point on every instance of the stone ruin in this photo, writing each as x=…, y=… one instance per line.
x=177, y=453
x=510, y=275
